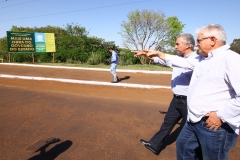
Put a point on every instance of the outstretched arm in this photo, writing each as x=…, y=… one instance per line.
x=171, y=60
x=142, y=53
x=153, y=53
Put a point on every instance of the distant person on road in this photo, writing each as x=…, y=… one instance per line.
x=180, y=81
x=114, y=64
x=213, y=121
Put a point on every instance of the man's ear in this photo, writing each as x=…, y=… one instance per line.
x=213, y=41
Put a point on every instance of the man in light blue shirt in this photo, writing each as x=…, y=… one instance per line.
x=213, y=97
x=180, y=81
x=114, y=64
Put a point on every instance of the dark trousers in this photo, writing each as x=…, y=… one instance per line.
x=176, y=111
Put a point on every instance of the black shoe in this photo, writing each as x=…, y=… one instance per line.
x=114, y=82
x=118, y=79
x=148, y=146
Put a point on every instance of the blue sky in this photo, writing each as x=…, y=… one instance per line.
x=103, y=18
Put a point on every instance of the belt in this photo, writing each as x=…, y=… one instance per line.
x=204, y=119
x=180, y=97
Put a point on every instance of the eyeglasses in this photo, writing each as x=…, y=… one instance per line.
x=199, y=40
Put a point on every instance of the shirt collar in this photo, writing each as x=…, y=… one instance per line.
x=217, y=51
x=186, y=55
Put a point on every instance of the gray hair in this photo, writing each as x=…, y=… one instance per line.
x=213, y=30
x=188, y=38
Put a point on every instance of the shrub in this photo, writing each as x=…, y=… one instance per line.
x=127, y=58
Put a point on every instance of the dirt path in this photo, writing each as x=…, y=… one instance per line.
x=55, y=120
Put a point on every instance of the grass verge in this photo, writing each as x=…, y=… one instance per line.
x=147, y=67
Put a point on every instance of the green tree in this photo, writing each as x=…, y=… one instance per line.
x=235, y=45
x=48, y=29
x=3, y=48
x=168, y=39
x=150, y=30
x=70, y=47
x=127, y=58
x=92, y=44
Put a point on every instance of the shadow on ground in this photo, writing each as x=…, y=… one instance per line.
x=54, y=152
x=124, y=78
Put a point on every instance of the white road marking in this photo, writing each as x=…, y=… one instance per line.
x=94, y=69
x=84, y=82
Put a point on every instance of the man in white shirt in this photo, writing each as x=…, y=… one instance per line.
x=213, y=97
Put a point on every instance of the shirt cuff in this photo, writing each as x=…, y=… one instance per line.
x=220, y=115
x=168, y=58
x=155, y=59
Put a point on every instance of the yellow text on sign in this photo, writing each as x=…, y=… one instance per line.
x=50, y=42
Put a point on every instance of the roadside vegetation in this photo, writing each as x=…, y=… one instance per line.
x=74, y=47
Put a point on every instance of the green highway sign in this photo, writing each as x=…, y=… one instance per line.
x=20, y=42
x=30, y=42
